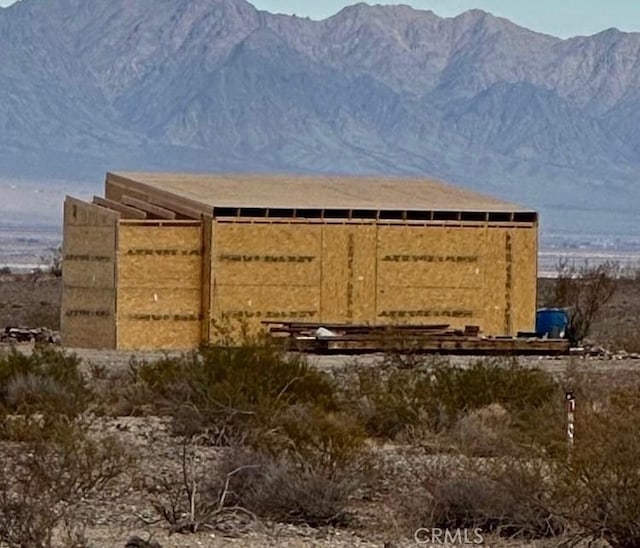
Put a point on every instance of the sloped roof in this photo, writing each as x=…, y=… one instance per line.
x=207, y=191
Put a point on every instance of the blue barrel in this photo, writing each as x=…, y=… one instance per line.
x=552, y=323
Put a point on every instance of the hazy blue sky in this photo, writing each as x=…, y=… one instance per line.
x=558, y=17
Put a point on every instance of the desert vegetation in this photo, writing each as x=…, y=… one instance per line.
x=50, y=460
x=256, y=436
x=229, y=440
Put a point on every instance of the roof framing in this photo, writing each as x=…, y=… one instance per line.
x=310, y=197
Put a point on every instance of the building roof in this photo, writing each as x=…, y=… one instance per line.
x=208, y=191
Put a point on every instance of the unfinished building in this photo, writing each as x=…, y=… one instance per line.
x=163, y=258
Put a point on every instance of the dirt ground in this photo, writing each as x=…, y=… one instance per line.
x=33, y=301
x=30, y=300
x=109, y=522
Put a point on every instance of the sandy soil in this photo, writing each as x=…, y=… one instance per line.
x=30, y=300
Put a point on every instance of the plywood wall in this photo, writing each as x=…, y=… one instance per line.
x=159, y=285
x=265, y=272
x=484, y=275
x=430, y=275
x=524, y=278
x=88, y=275
x=349, y=273
x=377, y=274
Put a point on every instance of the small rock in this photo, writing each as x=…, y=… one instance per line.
x=137, y=542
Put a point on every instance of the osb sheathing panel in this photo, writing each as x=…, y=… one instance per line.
x=117, y=186
x=363, y=273
x=88, y=275
x=160, y=239
x=525, y=271
x=88, y=318
x=269, y=303
x=159, y=286
x=311, y=191
x=294, y=272
x=430, y=275
x=430, y=257
x=80, y=213
x=159, y=271
x=459, y=276
x=348, y=273
x=158, y=301
x=145, y=335
x=95, y=299
x=265, y=271
x=456, y=306
x=206, y=277
x=493, y=295
x=509, y=292
x=268, y=254
x=97, y=241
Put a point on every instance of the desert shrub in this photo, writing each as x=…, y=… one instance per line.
x=33, y=391
x=314, y=437
x=121, y=392
x=194, y=497
x=532, y=399
x=43, y=480
x=47, y=381
x=485, y=432
x=288, y=490
x=438, y=396
x=518, y=389
x=601, y=481
x=389, y=403
x=588, y=491
x=302, y=470
x=410, y=357
x=584, y=291
x=227, y=391
x=284, y=491
x=594, y=389
x=309, y=464
x=511, y=497
x=245, y=486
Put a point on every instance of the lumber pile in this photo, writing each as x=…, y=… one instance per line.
x=435, y=339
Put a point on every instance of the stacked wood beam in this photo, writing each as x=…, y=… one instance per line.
x=427, y=339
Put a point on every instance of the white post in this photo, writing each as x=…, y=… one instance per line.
x=570, y=400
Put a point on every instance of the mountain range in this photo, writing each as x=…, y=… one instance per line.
x=217, y=85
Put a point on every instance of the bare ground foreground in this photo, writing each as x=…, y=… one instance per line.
x=30, y=300
x=377, y=514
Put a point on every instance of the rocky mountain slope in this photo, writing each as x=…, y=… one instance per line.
x=89, y=85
